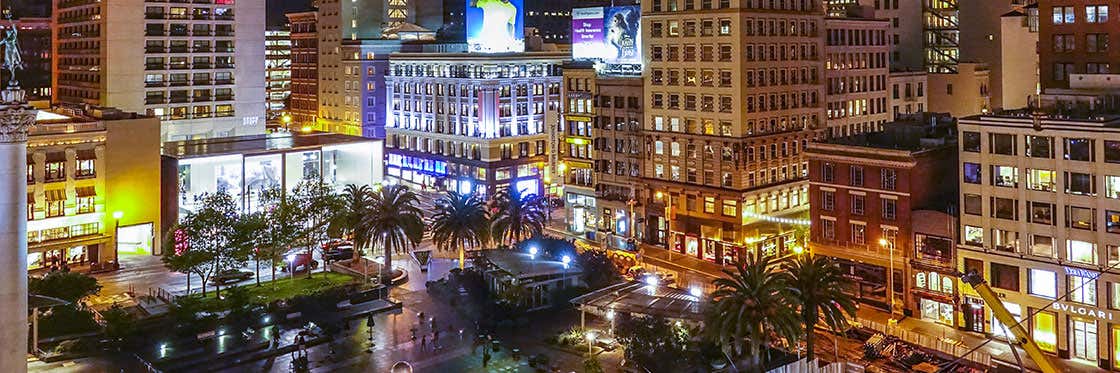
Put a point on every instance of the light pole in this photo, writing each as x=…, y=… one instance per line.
x=117, y=215
x=590, y=340
x=668, y=221
x=889, y=245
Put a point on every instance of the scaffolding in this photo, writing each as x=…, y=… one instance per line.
x=942, y=35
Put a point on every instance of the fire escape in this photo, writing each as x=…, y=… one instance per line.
x=942, y=36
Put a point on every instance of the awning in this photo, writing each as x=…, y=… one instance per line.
x=86, y=191
x=56, y=157
x=56, y=195
x=87, y=154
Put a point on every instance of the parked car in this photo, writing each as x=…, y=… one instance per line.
x=335, y=242
x=339, y=253
x=300, y=262
x=230, y=276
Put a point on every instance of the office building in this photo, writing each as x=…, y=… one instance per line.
x=198, y=67
x=1019, y=64
x=87, y=199
x=733, y=92
x=278, y=72
x=600, y=148
x=304, y=101
x=1074, y=38
x=855, y=69
x=869, y=193
x=471, y=122
x=908, y=92
x=962, y=93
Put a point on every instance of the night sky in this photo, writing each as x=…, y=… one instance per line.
x=277, y=8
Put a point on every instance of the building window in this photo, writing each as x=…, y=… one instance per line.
x=730, y=207
x=889, y=207
x=1004, y=240
x=1096, y=43
x=1079, y=149
x=933, y=248
x=1002, y=144
x=856, y=176
x=889, y=177
x=1004, y=208
x=1082, y=290
x=710, y=205
x=857, y=204
x=1042, y=246
x=828, y=200
x=970, y=142
x=1041, y=180
x=1063, y=15
x=972, y=173
x=828, y=172
x=1096, y=13
x=1005, y=176
x=1040, y=147
x=1045, y=331
x=1041, y=213
x=56, y=203
x=1042, y=283
x=1081, y=252
x=828, y=229
x=1080, y=184
x=859, y=234
x=1005, y=277
x=1112, y=221
x=973, y=204
x=1080, y=217
x=973, y=235
x=55, y=171
x=84, y=168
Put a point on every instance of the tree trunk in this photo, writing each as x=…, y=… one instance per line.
x=188, y=283
x=258, y=270
x=754, y=362
x=810, y=335
x=387, y=267
x=272, y=264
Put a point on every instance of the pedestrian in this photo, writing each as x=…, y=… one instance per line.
x=435, y=336
x=433, y=322
x=423, y=343
x=485, y=358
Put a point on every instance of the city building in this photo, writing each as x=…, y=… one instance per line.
x=600, y=146
x=87, y=202
x=538, y=278
x=867, y=190
x=1040, y=219
x=198, y=67
x=278, y=72
x=905, y=34
x=246, y=166
x=733, y=92
x=855, y=69
x=35, y=45
x=1018, y=79
x=471, y=122
x=962, y=93
x=304, y=102
x=1074, y=38
x=908, y=92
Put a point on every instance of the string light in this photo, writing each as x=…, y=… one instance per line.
x=773, y=219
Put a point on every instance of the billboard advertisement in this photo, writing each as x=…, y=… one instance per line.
x=495, y=26
x=610, y=36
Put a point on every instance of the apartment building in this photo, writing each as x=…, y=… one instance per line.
x=962, y=93
x=908, y=92
x=1040, y=219
x=86, y=205
x=474, y=123
x=1019, y=66
x=195, y=65
x=733, y=92
x=278, y=72
x=601, y=149
x=855, y=69
x=1074, y=38
x=876, y=198
x=304, y=35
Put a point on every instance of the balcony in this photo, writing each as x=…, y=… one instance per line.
x=179, y=50
x=61, y=233
x=155, y=100
x=224, y=114
x=223, y=66
x=183, y=33
x=155, y=83
x=201, y=82
x=202, y=50
x=154, y=49
x=223, y=33
x=180, y=99
x=200, y=17
x=178, y=16
x=202, y=99
x=223, y=98
x=202, y=66
x=155, y=32
x=179, y=66
x=179, y=83
x=154, y=66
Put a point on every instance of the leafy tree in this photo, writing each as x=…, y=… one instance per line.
x=816, y=282
x=653, y=343
x=281, y=227
x=394, y=222
x=119, y=324
x=248, y=237
x=69, y=286
x=592, y=365
x=599, y=271
x=203, y=241
x=355, y=203
x=518, y=216
x=315, y=205
x=460, y=222
x=750, y=305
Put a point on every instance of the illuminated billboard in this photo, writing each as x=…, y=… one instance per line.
x=495, y=26
x=611, y=36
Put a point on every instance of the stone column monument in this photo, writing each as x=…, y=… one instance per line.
x=16, y=118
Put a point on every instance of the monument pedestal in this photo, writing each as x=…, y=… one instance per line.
x=16, y=117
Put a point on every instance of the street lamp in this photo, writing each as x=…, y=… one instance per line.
x=533, y=252
x=668, y=221
x=590, y=339
x=291, y=259
x=889, y=245
x=117, y=215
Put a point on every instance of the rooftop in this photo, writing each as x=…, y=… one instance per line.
x=523, y=265
x=913, y=133
x=257, y=144
x=644, y=299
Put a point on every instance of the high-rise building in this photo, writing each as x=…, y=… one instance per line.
x=855, y=69
x=1018, y=71
x=278, y=72
x=905, y=34
x=35, y=45
x=471, y=122
x=196, y=66
x=600, y=146
x=304, y=102
x=733, y=92
x=1074, y=38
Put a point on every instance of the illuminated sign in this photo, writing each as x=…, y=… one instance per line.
x=611, y=36
x=1083, y=311
x=495, y=26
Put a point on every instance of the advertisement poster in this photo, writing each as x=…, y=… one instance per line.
x=495, y=26
x=610, y=36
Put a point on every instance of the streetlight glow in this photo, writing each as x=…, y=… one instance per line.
x=566, y=259
x=533, y=251
x=660, y=195
x=695, y=291
x=118, y=214
x=651, y=280
x=882, y=242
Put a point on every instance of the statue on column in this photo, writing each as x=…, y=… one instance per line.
x=12, y=60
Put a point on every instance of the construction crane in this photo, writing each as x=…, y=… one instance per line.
x=1022, y=338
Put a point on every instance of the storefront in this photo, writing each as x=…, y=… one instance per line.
x=868, y=282
x=934, y=294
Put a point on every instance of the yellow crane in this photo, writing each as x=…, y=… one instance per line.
x=1022, y=338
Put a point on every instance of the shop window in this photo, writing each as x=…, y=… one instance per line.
x=1005, y=277
x=1005, y=176
x=933, y=248
x=1082, y=290
x=1042, y=283
x=1045, y=331
x=1041, y=213
x=972, y=173
x=1042, y=180
x=973, y=235
x=1002, y=144
x=1080, y=217
x=970, y=142
x=1040, y=147
x=1079, y=149
x=1081, y=184
x=1042, y=246
x=1081, y=252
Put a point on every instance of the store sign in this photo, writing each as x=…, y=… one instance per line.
x=1083, y=311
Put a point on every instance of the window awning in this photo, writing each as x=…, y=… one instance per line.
x=56, y=195
x=87, y=154
x=56, y=157
x=86, y=191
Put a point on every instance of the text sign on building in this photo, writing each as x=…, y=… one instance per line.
x=1083, y=311
x=610, y=36
x=495, y=26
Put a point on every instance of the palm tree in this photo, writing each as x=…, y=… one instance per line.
x=460, y=222
x=393, y=221
x=751, y=304
x=518, y=216
x=816, y=281
x=356, y=203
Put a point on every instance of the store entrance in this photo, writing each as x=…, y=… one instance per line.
x=135, y=239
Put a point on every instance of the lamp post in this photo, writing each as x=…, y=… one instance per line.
x=590, y=340
x=117, y=215
x=889, y=245
x=668, y=221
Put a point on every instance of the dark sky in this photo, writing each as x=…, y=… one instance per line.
x=277, y=8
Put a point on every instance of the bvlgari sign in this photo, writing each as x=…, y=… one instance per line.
x=1083, y=311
